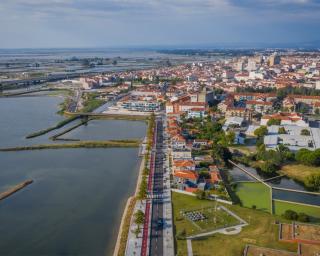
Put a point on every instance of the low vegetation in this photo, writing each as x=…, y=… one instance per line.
x=57, y=126
x=91, y=102
x=308, y=175
x=125, y=227
x=261, y=230
x=313, y=212
x=80, y=144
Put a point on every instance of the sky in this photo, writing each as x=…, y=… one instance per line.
x=139, y=23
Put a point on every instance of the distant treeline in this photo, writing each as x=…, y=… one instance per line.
x=214, y=52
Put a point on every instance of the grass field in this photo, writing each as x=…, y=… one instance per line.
x=299, y=171
x=254, y=193
x=215, y=218
x=281, y=207
x=246, y=150
x=261, y=230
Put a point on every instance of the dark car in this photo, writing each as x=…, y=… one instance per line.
x=160, y=223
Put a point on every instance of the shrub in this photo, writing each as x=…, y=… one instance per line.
x=290, y=215
x=282, y=130
x=313, y=181
x=305, y=132
x=273, y=121
x=261, y=131
x=302, y=217
x=268, y=167
x=181, y=234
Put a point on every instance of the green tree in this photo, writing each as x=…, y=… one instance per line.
x=137, y=231
x=139, y=217
x=290, y=215
x=273, y=121
x=204, y=174
x=305, y=132
x=261, y=131
x=282, y=130
x=302, y=217
x=201, y=194
x=230, y=137
x=269, y=167
x=220, y=154
x=181, y=234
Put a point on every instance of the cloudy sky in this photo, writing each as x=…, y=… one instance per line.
x=112, y=23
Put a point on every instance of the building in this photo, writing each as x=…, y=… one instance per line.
x=181, y=154
x=183, y=165
x=196, y=113
x=259, y=106
x=234, y=121
x=274, y=59
x=252, y=65
x=185, y=179
x=141, y=106
x=239, y=112
x=285, y=119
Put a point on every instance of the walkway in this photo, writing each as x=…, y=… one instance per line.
x=228, y=230
x=189, y=246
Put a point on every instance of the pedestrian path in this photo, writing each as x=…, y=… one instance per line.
x=168, y=239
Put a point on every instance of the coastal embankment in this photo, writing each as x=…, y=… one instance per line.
x=57, y=126
x=14, y=189
x=56, y=136
x=80, y=144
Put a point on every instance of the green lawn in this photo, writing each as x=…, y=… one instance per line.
x=254, y=193
x=281, y=207
x=261, y=230
x=215, y=218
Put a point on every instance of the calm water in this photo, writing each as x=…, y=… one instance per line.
x=284, y=182
x=24, y=115
x=75, y=204
x=108, y=129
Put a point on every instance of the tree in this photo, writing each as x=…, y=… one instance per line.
x=308, y=157
x=290, y=215
x=220, y=154
x=137, y=231
x=282, y=130
x=261, y=131
x=181, y=234
x=201, y=194
x=139, y=217
x=301, y=155
x=204, y=174
x=230, y=137
x=273, y=121
x=269, y=167
x=302, y=217
x=305, y=132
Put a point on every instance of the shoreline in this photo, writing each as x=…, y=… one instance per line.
x=126, y=211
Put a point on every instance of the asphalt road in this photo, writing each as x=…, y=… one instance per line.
x=156, y=235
